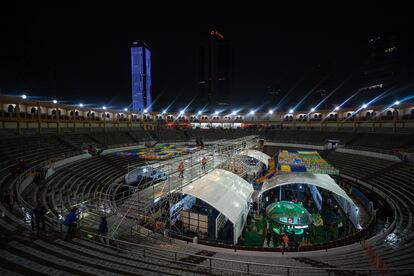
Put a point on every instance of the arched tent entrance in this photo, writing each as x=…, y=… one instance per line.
x=227, y=193
x=253, y=169
x=262, y=157
x=319, y=180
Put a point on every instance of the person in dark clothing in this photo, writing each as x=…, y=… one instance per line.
x=39, y=215
x=71, y=219
x=32, y=220
x=181, y=169
x=11, y=201
x=103, y=230
x=268, y=237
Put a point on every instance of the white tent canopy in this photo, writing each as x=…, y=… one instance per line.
x=223, y=190
x=262, y=157
x=320, y=180
x=227, y=192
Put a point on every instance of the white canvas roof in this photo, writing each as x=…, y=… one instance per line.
x=262, y=157
x=223, y=190
x=320, y=180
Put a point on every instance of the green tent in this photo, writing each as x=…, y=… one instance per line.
x=288, y=213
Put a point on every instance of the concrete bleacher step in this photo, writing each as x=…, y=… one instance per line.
x=28, y=266
x=102, y=261
x=55, y=259
x=153, y=260
x=7, y=226
x=6, y=272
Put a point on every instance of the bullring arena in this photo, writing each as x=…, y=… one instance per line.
x=253, y=195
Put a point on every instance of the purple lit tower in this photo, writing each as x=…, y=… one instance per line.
x=141, y=77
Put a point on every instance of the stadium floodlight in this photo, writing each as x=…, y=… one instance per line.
x=125, y=109
x=216, y=113
x=81, y=105
x=182, y=112
x=251, y=112
x=164, y=111
x=54, y=101
x=313, y=109
x=104, y=107
x=145, y=110
x=291, y=111
x=234, y=113
x=24, y=97
x=271, y=111
x=336, y=108
x=364, y=106
x=199, y=113
x=397, y=102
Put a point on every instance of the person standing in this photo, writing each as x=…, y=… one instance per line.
x=32, y=220
x=181, y=169
x=39, y=216
x=103, y=230
x=11, y=201
x=203, y=163
x=268, y=237
x=71, y=220
x=285, y=240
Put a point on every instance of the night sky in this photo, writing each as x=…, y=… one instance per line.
x=84, y=56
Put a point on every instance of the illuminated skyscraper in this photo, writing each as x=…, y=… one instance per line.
x=141, y=77
x=214, y=70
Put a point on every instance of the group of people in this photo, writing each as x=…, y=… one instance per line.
x=271, y=236
x=181, y=167
x=71, y=223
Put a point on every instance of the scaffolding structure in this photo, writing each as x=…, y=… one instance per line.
x=143, y=208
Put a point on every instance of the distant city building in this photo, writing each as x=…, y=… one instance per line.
x=214, y=70
x=273, y=92
x=316, y=86
x=388, y=64
x=382, y=62
x=141, y=77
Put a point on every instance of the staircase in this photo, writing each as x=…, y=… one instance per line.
x=93, y=139
x=67, y=143
x=351, y=141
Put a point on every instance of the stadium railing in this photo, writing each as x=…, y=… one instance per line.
x=213, y=263
x=25, y=207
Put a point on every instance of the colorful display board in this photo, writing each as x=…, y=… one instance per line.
x=304, y=161
x=159, y=152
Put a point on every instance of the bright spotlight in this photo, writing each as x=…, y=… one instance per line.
x=199, y=113
x=216, y=113
x=233, y=113
x=270, y=111
x=291, y=111
x=54, y=101
x=125, y=109
x=181, y=112
x=81, y=105
x=24, y=97
x=104, y=107
x=164, y=111
x=397, y=102
x=145, y=110
x=336, y=108
x=251, y=112
x=313, y=109
x=364, y=106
